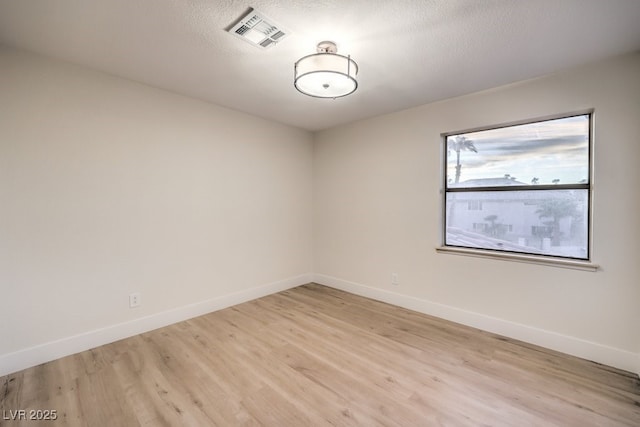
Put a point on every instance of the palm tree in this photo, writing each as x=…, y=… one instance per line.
x=457, y=144
x=556, y=209
x=460, y=143
x=492, y=231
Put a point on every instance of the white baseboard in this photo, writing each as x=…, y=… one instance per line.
x=26, y=358
x=599, y=353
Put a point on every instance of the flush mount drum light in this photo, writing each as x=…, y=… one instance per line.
x=326, y=74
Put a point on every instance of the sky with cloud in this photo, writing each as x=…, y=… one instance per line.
x=548, y=150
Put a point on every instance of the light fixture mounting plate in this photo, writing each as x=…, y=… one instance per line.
x=327, y=47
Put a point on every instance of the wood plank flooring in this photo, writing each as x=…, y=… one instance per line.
x=315, y=356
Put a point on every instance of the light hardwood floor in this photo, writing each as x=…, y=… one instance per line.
x=314, y=356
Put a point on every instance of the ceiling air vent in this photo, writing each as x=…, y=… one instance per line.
x=258, y=30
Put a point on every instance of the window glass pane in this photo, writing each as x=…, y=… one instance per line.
x=547, y=222
x=548, y=152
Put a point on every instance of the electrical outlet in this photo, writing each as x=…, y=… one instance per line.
x=134, y=300
x=394, y=279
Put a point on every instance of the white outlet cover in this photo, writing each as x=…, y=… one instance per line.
x=134, y=300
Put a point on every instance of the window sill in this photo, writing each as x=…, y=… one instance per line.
x=553, y=262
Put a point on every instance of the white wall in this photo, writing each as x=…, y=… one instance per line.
x=377, y=205
x=109, y=187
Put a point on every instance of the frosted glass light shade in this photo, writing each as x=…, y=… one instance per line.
x=326, y=75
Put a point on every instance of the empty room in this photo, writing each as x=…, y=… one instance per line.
x=309, y=213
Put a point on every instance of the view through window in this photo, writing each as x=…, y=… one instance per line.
x=522, y=188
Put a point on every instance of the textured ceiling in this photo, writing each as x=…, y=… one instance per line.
x=410, y=52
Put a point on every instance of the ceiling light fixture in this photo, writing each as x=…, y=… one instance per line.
x=326, y=74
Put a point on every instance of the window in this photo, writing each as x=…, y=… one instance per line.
x=522, y=188
x=475, y=205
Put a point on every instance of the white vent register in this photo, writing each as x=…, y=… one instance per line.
x=258, y=30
